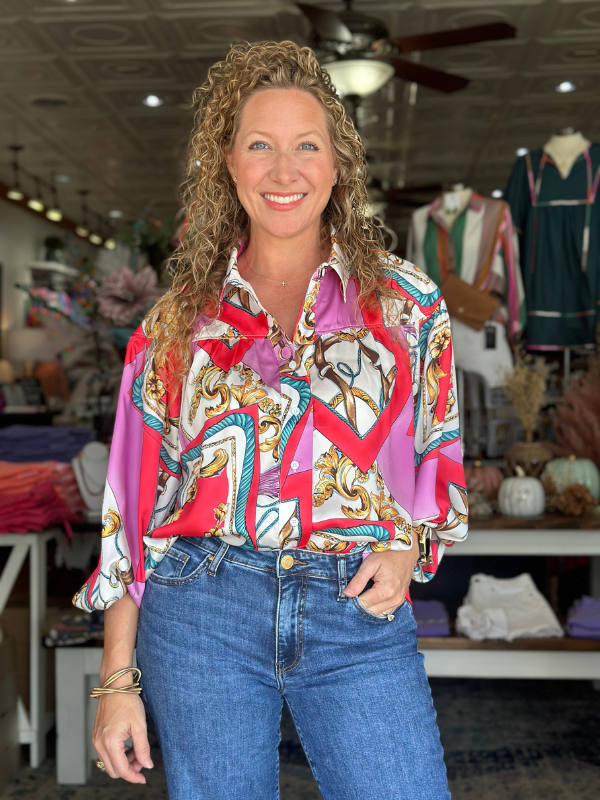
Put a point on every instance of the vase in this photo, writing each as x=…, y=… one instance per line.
x=531, y=456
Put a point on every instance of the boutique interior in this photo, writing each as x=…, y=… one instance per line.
x=480, y=124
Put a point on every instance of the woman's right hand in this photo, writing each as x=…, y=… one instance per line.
x=118, y=717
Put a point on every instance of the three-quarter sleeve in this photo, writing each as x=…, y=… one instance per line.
x=142, y=480
x=440, y=493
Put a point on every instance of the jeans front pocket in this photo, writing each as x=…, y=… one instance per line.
x=368, y=614
x=183, y=563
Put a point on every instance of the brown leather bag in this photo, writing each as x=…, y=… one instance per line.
x=472, y=306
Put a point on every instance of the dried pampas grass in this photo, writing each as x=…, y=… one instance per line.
x=525, y=387
x=576, y=419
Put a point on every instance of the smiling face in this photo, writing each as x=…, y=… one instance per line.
x=283, y=161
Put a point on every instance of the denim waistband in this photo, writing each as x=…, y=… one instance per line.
x=289, y=561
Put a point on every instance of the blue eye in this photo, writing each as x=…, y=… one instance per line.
x=258, y=146
x=308, y=145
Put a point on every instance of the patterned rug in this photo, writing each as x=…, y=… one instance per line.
x=503, y=740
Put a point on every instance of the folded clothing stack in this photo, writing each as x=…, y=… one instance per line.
x=583, y=618
x=81, y=629
x=24, y=443
x=18, y=479
x=506, y=608
x=34, y=510
x=432, y=618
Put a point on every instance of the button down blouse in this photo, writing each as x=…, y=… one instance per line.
x=340, y=440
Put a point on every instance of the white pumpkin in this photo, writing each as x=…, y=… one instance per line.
x=565, y=472
x=522, y=496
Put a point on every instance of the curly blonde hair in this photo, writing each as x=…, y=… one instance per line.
x=215, y=215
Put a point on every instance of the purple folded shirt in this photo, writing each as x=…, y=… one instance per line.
x=432, y=618
x=583, y=618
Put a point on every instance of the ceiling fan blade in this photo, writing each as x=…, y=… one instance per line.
x=455, y=38
x=326, y=24
x=426, y=76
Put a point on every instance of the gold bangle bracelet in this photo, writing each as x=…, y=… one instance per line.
x=132, y=688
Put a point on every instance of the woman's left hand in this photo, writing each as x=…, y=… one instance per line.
x=391, y=572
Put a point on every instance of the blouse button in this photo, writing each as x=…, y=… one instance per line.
x=296, y=412
x=292, y=364
x=294, y=522
x=294, y=465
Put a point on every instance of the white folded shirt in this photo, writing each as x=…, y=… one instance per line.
x=506, y=608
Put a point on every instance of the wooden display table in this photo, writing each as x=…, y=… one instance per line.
x=548, y=535
x=34, y=725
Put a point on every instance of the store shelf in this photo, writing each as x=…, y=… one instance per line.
x=553, y=644
x=548, y=535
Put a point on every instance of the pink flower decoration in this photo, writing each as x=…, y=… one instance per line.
x=124, y=294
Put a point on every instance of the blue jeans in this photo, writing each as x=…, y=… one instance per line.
x=226, y=634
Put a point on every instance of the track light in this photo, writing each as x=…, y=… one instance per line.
x=80, y=230
x=54, y=213
x=95, y=239
x=36, y=203
x=15, y=193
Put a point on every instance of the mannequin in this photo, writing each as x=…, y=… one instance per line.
x=455, y=202
x=553, y=197
x=565, y=147
x=90, y=466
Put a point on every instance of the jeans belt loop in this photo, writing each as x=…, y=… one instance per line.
x=214, y=565
x=342, y=577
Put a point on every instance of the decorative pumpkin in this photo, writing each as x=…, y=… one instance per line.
x=564, y=472
x=487, y=480
x=522, y=496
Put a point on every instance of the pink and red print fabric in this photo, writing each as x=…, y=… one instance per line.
x=340, y=440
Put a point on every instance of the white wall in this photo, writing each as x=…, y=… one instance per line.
x=22, y=237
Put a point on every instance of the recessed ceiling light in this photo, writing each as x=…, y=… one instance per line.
x=497, y=193
x=115, y=213
x=62, y=178
x=95, y=239
x=152, y=101
x=521, y=151
x=565, y=87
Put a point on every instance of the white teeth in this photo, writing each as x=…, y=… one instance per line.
x=292, y=198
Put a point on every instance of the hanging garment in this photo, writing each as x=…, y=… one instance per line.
x=506, y=608
x=481, y=248
x=558, y=221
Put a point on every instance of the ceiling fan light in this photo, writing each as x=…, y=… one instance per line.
x=360, y=76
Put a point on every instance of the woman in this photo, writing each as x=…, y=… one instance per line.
x=286, y=410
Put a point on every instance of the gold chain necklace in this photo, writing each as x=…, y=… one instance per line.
x=260, y=275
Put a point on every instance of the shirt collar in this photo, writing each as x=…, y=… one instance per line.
x=335, y=261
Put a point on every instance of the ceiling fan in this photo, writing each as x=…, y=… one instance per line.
x=351, y=35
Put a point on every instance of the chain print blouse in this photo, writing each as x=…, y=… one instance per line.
x=341, y=440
